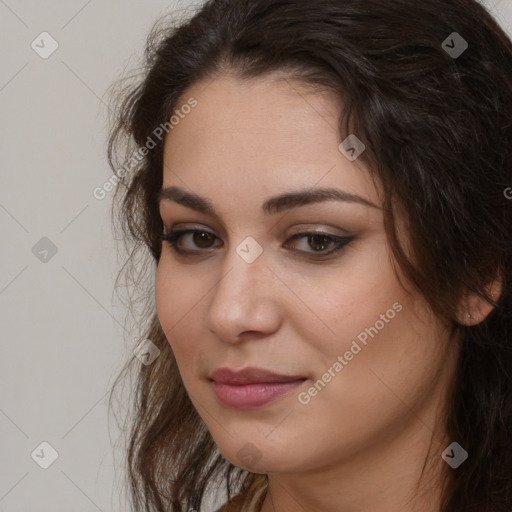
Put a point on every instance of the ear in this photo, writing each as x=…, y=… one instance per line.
x=474, y=309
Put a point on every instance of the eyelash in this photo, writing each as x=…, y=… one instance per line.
x=175, y=235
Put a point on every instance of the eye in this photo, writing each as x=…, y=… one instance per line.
x=203, y=240
x=320, y=241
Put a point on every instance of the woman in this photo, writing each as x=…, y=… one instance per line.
x=323, y=189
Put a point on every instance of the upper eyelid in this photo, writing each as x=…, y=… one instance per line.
x=303, y=232
x=192, y=226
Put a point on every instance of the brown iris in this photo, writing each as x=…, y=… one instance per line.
x=200, y=237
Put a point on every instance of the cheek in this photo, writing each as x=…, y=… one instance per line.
x=177, y=303
x=380, y=330
x=341, y=305
x=382, y=362
x=376, y=386
x=177, y=293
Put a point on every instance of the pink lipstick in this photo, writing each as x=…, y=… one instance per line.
x=251, y=387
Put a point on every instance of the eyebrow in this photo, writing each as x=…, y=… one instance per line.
x=274, y=205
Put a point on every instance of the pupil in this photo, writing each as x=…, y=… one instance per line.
x=201, y=237
x=320, y=239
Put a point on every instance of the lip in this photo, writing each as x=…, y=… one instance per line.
x=251, y=387
x=250, y=375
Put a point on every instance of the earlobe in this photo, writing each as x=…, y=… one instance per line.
x=474, y=309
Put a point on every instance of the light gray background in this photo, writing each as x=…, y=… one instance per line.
x=61, y=325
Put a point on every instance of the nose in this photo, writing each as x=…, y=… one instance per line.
x=245, y=300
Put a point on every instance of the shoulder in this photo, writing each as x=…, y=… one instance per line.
x=234, y=505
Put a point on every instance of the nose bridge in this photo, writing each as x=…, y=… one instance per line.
x=242, y=278
x=241, y=297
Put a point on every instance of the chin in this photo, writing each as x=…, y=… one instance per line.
x=261, y=456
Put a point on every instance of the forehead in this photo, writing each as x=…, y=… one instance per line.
x=266, y=134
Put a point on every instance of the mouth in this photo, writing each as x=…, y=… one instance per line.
x=251, y=387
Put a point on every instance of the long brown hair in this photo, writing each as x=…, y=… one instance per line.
x=438, y=131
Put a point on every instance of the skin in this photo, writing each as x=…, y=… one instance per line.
x=362, y=441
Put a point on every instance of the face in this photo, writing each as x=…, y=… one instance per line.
x=305, y=287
